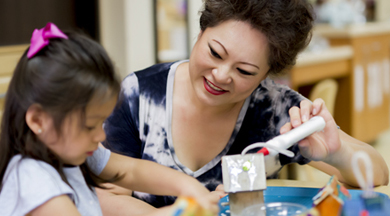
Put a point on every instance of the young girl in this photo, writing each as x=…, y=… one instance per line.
x=62, y=90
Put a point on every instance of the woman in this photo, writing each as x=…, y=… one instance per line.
x=188, y=114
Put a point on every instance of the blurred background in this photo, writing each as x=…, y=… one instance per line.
x=347, y=62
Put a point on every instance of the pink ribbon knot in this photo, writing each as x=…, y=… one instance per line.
x=40, y=38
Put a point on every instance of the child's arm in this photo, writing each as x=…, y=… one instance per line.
x=59, y=206
x=150, y=177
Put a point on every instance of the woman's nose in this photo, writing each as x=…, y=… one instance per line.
x=222, y=75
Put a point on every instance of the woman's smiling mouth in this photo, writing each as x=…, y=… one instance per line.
x=213, y=89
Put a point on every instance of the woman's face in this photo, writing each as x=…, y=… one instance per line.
x=228, y=62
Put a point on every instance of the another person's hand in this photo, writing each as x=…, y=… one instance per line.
x=320, y=146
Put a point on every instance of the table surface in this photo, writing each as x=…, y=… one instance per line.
x=296, y=183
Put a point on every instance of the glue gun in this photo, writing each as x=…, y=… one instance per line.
x=281, y=143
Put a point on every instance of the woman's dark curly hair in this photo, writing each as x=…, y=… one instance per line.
x=287, y=24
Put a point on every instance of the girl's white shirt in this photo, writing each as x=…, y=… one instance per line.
x=28, y=183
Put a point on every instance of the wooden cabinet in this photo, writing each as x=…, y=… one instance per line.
x=370, y=102
x=362, y=106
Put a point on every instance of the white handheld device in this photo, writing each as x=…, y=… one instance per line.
x=281, y=143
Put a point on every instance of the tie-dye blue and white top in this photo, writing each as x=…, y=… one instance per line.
x=140, y=126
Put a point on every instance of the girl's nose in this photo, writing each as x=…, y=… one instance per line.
x=222, y=75
x=100, y=135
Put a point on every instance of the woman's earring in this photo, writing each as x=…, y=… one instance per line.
x=39, y=131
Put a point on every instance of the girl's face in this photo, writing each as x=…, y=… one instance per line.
x=228, y=62
x=79, y=140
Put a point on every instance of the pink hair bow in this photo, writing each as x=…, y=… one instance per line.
x=40, y=38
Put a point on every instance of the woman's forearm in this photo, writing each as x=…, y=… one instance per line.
x=342, y=160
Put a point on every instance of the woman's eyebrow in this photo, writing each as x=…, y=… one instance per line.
x=250, y=64
x=221, y=46
x=228, y=54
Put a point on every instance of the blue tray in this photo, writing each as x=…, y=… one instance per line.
x=297, y=195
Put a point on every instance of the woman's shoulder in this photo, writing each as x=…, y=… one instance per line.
x=160, y=69
x=151, y=82
x=276, y=93
x=147, y=79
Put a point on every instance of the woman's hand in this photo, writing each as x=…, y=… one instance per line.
x=320, y=146
x=331, y=149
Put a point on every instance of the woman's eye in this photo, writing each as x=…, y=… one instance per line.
x=244, y=72
x=215, y=54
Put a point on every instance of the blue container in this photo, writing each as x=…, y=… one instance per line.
x=299, y=195
x=377, y=206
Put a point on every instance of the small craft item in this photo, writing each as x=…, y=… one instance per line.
x=244, y=175
x=369, y=203
x=330, y=199
x=244, y=180
x=187, y=206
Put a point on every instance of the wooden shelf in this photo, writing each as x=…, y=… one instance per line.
x=313, y=67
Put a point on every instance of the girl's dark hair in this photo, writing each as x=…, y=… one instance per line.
x=63, y=77
x=287, y=24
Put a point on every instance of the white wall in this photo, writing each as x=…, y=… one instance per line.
x=112, y=31
x=127, y=31
x=193, y=20
x=140, y=34
x=382, y=10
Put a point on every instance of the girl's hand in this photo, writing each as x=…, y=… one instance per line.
x=320, y=146
x=209, y=201
x=220, y=191
x=203, y=205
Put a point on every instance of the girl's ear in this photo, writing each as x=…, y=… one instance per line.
x=36, y=119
